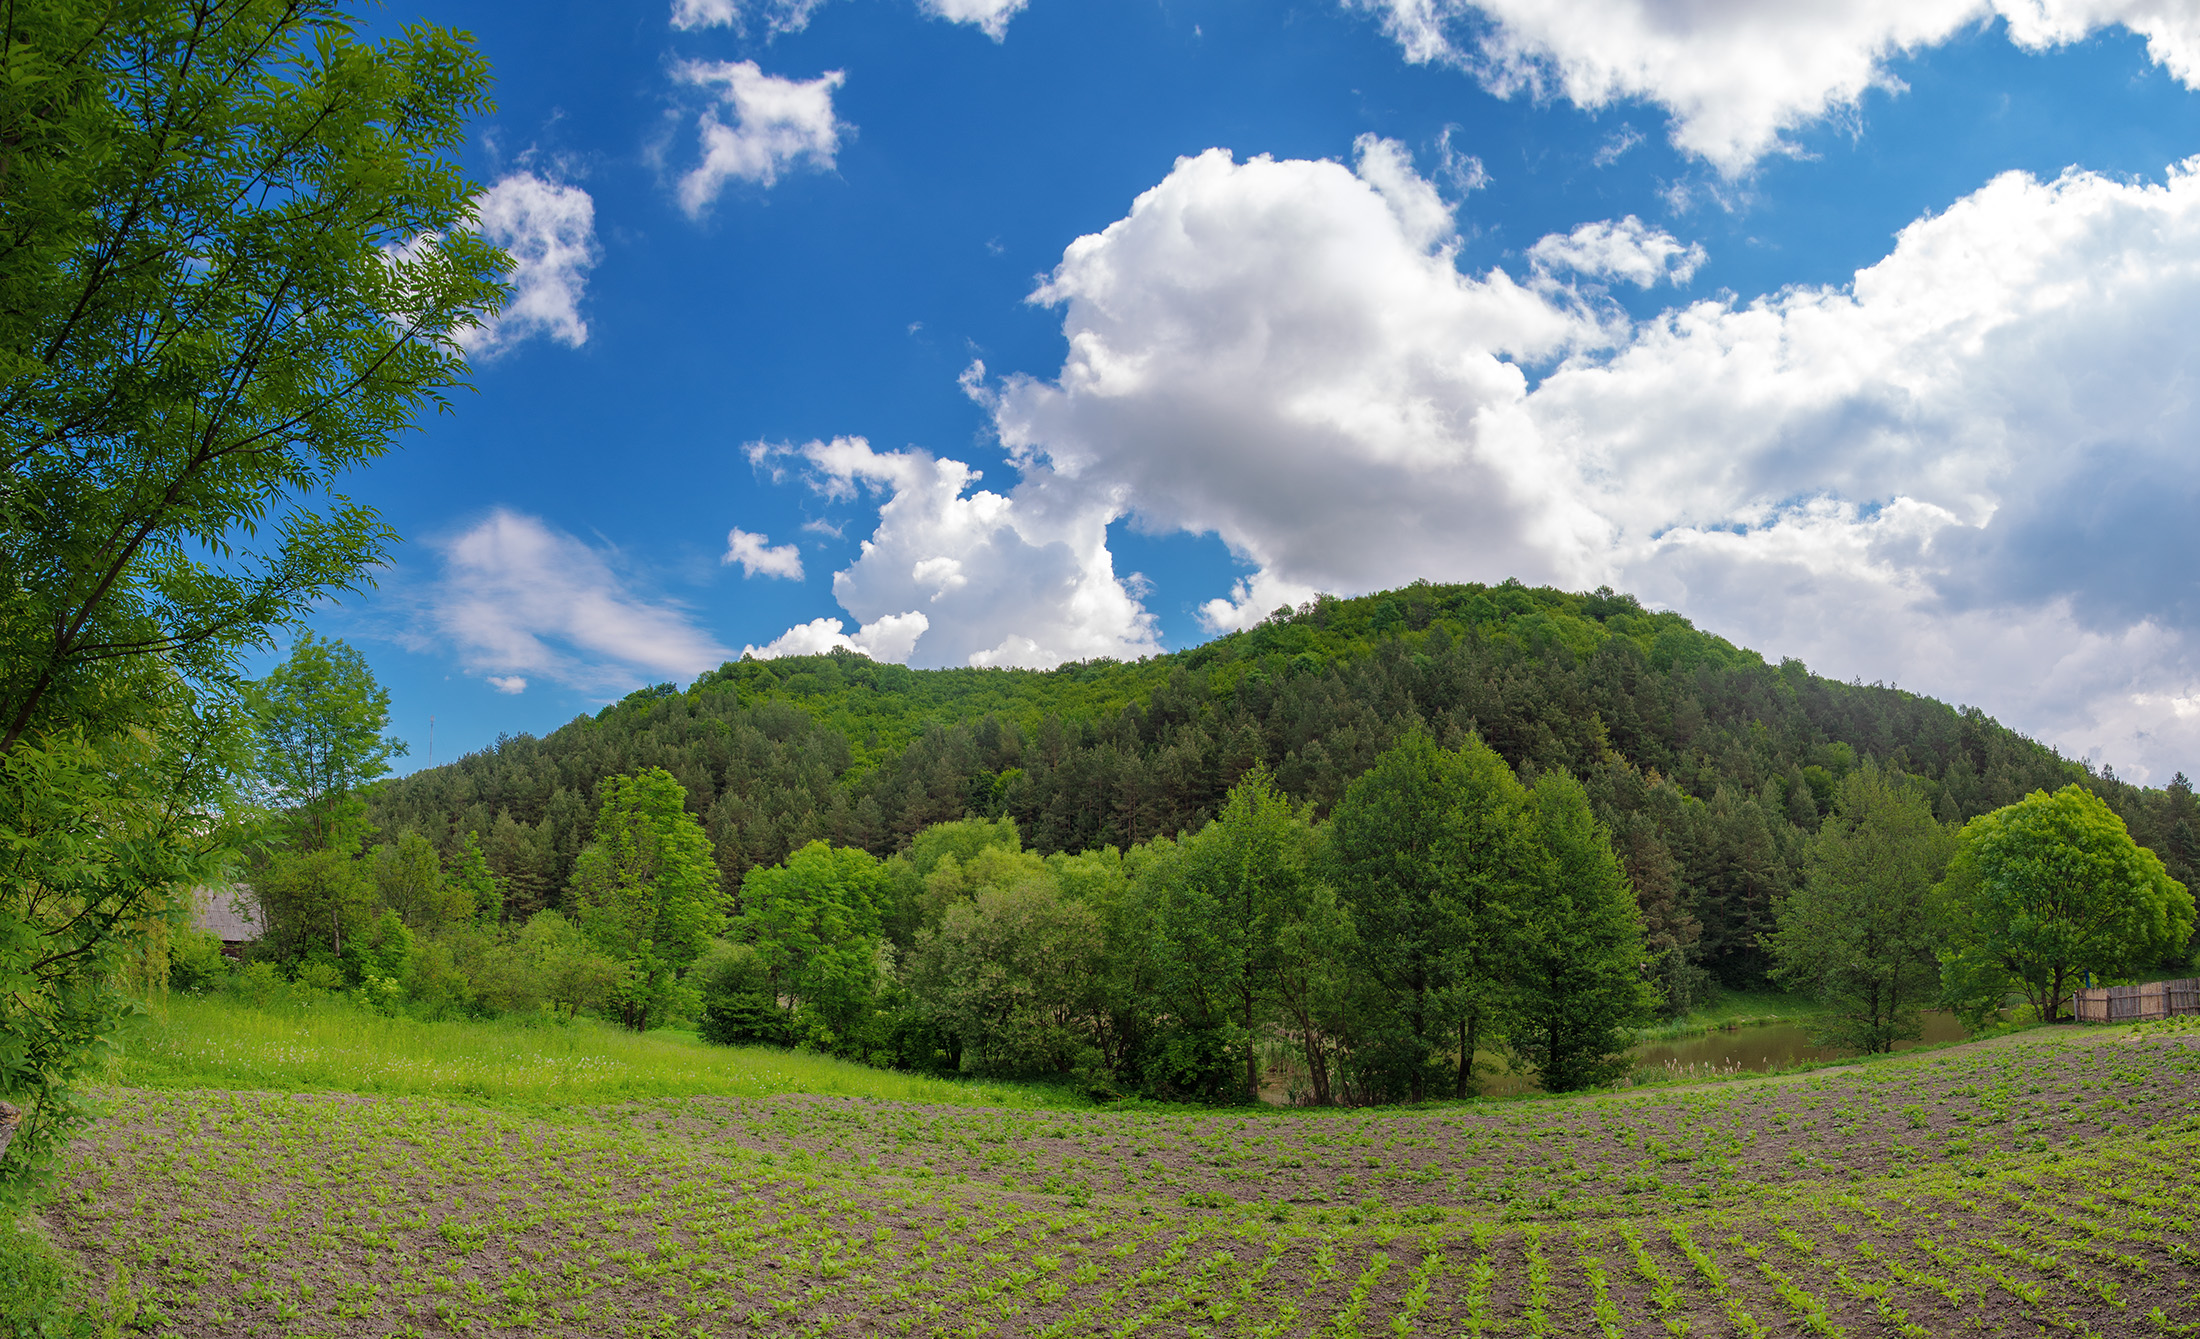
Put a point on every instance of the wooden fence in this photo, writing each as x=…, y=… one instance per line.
x=2132, y=1004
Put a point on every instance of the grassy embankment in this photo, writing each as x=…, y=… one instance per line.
x=212, y=1042
x=2042, y=1181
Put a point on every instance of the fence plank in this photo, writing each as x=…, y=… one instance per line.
x=2134, y=1004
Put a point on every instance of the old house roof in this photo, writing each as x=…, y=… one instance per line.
x=231, y=914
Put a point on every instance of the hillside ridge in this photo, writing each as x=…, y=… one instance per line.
x=1708, y=763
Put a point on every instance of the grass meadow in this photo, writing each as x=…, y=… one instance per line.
x=213, y=1042
x=327, y=1175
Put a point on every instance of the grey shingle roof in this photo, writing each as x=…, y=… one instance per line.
x=232, y=914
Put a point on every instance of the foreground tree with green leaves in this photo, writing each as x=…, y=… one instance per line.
x=815, y=924
x=1573, y=991
x=646, y=891
x=1860, y=934
x=319, y=719
x=233, y=264
x=1238, y=882
x=2048, y=890
x=1431, y=853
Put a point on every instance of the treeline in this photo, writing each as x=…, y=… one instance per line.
x=1709, y=767
x=1443, y=912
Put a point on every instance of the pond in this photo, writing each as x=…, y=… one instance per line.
x=1769, y=1046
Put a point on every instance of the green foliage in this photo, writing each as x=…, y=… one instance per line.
x=1860, y=934
x=201, y=328
x=1708, y=765
x=204, y=326
x=2050, y=889
x=469, y=872
x=646, y=891
x=97, y=835
x=1573, y=991
x=313, y=900
x=1015, y=976
x=37, y=1286
x=410, y=883
x=195, y=960
x=319, y=717
x=552, y=962
x=1233, y=888
x=740, y=1007
x=1432, y=854
x=815, y=924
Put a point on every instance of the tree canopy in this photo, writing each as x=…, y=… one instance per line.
x=1860, y=932
x=2051, y=889
x=233, y=266
x=645, y=890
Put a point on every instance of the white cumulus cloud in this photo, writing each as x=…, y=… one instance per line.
x=758, y=127
x=1628, y=249
x=1735, y=76
x=954, y=575
x=757, y=556
x=549, y=230
x=1284, y=354
x=519, y=598
x=893, y=637
x=1967, y=470
x=988, y=16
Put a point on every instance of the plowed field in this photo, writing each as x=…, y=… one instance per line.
x=2047, y=1182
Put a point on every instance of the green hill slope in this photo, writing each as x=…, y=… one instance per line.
x=1708, y=763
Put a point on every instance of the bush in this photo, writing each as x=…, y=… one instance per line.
x=195, y=961
x=738, y=1006
x=320, y=974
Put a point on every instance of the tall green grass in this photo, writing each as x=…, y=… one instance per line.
x=216, y=1042
x=36, y=1285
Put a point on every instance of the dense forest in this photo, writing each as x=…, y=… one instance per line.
x=1708, y=765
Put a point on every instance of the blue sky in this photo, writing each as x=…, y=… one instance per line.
x=1860, y=332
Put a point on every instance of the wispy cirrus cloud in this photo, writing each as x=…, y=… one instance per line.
x=519, y=600
x=788, y=16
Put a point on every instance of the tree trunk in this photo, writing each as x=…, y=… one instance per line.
x=1252, y=1065
x=1317, y=1064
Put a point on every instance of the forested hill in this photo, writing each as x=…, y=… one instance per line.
x=1708, y=764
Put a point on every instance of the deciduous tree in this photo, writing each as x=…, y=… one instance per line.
x=1573, y=989
x=1430, y=851
x=646, y=890
x=1860, y=933
x=204, y=322
x=319, y=717
x=2051, y=888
